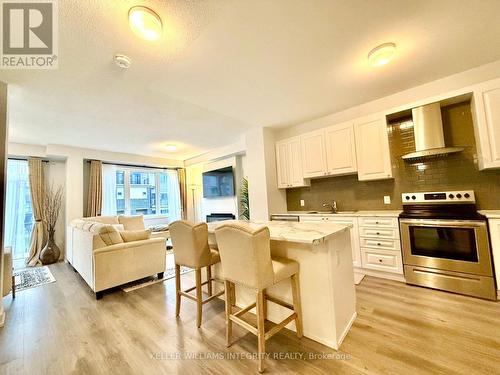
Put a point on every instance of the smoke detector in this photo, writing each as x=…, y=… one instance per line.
x=123, y=61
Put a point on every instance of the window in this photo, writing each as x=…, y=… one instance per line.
x=142, y=192
x=18, y=211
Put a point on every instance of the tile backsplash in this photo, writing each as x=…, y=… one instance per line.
x=454, y=172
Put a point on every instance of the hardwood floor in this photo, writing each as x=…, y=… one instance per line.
x=60, y=329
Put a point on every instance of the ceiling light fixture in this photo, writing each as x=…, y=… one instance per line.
x=145, y=23
x=382, y=54
x=171, y=148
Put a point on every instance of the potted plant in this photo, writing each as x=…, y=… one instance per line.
x=244, y=202
x=52, y=202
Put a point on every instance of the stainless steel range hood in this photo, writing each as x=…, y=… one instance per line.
x=429, y=137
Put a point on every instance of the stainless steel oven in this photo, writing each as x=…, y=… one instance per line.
x=445, y=244
x=455, y=245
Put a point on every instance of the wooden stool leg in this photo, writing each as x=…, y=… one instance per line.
x=177, y=290
x=13, y=286
x=228, y=302
x=297, y=305
x=233, y=293
x=261, y=329
x=198, y=297
x=265, y=304
x=209, y=279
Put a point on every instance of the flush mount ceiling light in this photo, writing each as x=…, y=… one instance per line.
x=145, y=23
x=171, y=148
x=382, y=54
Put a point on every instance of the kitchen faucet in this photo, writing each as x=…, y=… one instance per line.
x=333, y=206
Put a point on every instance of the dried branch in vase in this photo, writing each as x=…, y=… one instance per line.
x=52, y=202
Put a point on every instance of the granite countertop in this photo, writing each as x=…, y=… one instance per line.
x=491, y=214
x=380, y=213
x=307, y=233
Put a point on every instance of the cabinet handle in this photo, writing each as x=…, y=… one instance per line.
x=380, y=260
x=378, y=233
x=378, y=244
x=376, y=222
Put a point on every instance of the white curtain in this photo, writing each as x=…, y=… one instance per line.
x=109, y=190
x=18, y=212
x=173, y=196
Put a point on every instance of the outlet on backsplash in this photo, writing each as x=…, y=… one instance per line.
x=302, y=203
x=387, y=199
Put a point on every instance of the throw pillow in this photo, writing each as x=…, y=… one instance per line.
x=132, y=222
x=110, y=235
x=135, y=235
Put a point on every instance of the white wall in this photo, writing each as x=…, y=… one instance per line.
x=264, y=196
x=423, y=94
x=205, y=206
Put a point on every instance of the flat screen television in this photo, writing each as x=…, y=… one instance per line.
x=218, y=183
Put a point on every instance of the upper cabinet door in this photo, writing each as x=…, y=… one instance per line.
x=313, y=154
x=486, y=111
x=295, y=162
x=282, y=162
x=372, y=148
x=340, y=149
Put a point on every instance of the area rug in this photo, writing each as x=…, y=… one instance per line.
x=148, y=281
x=33, y=277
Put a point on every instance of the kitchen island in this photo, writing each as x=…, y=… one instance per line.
x=323, y=251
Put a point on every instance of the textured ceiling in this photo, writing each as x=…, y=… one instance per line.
x=224, y=66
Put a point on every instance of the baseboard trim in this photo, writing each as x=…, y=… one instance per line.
x=381, y=274
x=347, y=329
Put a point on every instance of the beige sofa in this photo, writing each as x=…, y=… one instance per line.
x=106, y=266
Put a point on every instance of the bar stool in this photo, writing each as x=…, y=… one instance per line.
x=246, y=260
x=191, y=249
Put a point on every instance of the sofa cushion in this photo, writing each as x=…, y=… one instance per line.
x=135, y=222
x=103, y=219
x=110, y=235
x=135, y=235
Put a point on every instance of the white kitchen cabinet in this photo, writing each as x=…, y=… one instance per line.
x=289, y=163
x=282, y=167
x=486, y=113
x=313, y=154
x=346, y=220
x=340, y=148
x=372, y=148
x=494, y=225
x=380, y=244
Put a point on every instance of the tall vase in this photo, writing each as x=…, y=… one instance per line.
x=50, y=253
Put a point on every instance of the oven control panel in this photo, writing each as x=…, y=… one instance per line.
x=438, y=197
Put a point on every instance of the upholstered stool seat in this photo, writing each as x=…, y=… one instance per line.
x=246, y=260
x=191, y=249
x=284, y=268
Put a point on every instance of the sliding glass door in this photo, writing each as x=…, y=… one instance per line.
x=18, y=210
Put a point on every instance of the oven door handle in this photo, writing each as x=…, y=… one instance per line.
x=444, y=223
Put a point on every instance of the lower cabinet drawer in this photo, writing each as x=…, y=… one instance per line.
x=391, y=233
x=381, y=243
x=379, y=222
x=381, y=260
